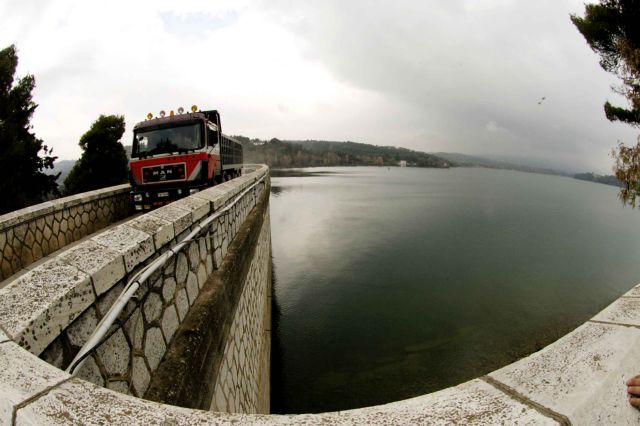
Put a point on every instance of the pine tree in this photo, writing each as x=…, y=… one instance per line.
x=612, y=29
x=22, y=178
x=104, y=160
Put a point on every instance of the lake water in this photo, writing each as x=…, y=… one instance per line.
x=391, y=283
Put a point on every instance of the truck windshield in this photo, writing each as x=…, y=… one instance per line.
x=169, y=139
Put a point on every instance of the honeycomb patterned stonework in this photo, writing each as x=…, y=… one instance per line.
x=100, y=268
x=35, y=232
x=242, y=382
x=127, y=361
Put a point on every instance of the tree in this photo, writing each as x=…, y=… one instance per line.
x=104, y=160
x=612, y=29
x=22, y=178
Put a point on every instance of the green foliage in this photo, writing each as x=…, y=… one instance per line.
x=281, y=154
x=627, y=170
x=104, y=161
x=592, y=177
x=22, y=178
x=612, y=29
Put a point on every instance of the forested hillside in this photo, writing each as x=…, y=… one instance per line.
x=277, y=153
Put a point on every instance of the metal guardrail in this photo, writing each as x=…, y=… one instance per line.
x=104, y=329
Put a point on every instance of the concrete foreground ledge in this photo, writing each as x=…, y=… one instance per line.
x=579, y=379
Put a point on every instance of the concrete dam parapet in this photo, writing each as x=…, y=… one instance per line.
x=32, y=233
x=194, y=345
x=205, y=313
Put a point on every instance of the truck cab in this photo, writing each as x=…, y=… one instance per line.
x=177, y=155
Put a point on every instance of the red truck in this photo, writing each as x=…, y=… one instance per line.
x=180, y=154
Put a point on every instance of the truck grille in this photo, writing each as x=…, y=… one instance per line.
x=164, y=173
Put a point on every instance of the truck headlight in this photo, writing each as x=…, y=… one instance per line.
x=137, y=197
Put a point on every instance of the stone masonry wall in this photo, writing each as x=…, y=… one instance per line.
x=242, y=381
x=577, y=380
x=51, y=310
x=32, y=233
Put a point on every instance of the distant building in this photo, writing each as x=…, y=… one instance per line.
x=402, y=163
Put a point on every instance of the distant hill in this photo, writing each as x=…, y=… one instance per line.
x=604, y=179
x=312, y=153
x=464, y=160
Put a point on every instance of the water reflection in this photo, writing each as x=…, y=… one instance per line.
x=302, y=172
x=277, y=357
x=394, y=283
x=276, y=190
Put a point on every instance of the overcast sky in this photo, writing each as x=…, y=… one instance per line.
x=457, y=75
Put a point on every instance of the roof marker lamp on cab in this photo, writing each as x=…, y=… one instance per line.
x=194, y=108
x=180, y=110
x=162, y=114
x=149, y=116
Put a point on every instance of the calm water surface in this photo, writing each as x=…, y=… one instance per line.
x=391, y=283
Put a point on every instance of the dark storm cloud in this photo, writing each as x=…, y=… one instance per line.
x=474, y=72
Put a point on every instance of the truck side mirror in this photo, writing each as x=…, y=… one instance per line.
x=212, y=137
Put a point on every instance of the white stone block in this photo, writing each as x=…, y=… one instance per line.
x=214, y=195
x=182, y=268
x=202, y=275
x=152, y=307
x=3, y=337
x=134, y=245
x=634, y=292
x=194, y=255
x=105, y=266
x=114, y=354
x=209, y=264
x=90, y=372
x=192, y=287
x=140, y=376
x=78, y=402
x=44, y=301
x=119, y=386
x=217, y=257
x=154, y=347
x=80, y=330
x=180, y=218
x=198, y=207
x=54, y=354
x=22, y=376
x=182, y=303
x=202, y=244
x=625, y=310
x=474, y=402
x=219, y=402
x=168, y=289
x=108, y=299
x=134, y=328
x=161, y=230
x=581, y=373
x=169, y=322
x=225, y=246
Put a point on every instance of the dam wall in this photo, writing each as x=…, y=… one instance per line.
x=32, y=233
x=51, y=310
x=217, y=353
